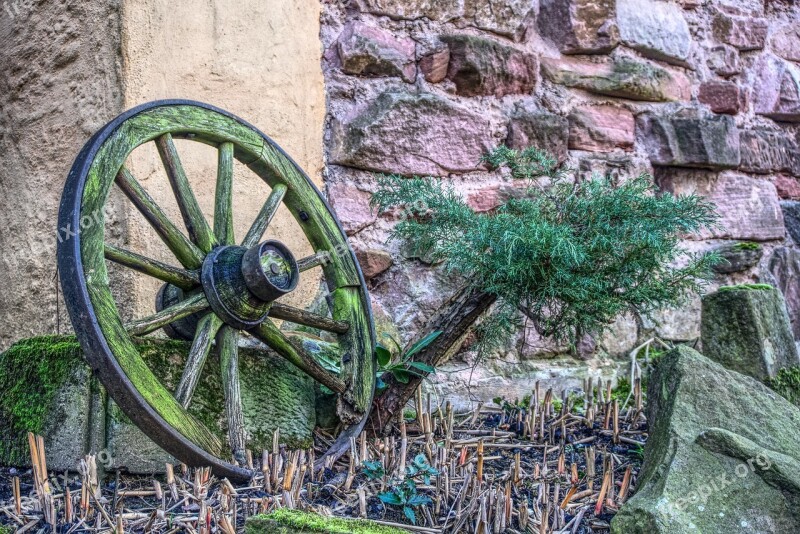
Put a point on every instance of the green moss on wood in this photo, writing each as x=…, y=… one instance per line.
x=284, y=521
x=31, y=373
x=787, y=384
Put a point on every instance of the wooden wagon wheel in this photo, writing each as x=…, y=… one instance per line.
x=227, y=288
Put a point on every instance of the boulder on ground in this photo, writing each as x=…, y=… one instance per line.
x=746, y=328
x=722, y=456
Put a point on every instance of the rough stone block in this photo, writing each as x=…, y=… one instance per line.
x=748, y=208
x=656, y=29
x=737, y=257
x=579, y=26
x=784, y=266
x=434, y=65
x=412, y=134
x=785, y=41
x=509, y=18
x=600, y=128
x=351, y=204
x=746, y=329
x=620, y=77
x=767, y=151
x=791, y=217
x=690, y=140
x=724, y=60
x=540, y=129
x=744, y=33
x=788, y=187
x=776, y=89
x=705, y=424
x=484, y=67
x=368, y=51
x=438, y=10
x=373, y=261
x=721, y=97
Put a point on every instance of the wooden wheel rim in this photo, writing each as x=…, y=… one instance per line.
x=108, y=346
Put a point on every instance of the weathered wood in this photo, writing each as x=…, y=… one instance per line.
x=307, y=318
x=315, y=260
x=358, y=350
x=277, y=341
x=207, y=329
x=184, y=250
x=228, y=351
x=172, y=275
x=265, y=215
x=199, y=230
x=151, y=323
x=454, y=322
x=223, y=200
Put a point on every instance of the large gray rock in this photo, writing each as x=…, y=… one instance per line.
x=486, y=67
x=784, y=266
x=776, y=89
x=439, y=10
x=509, y=18
x=722, y=456
x=791, y=217
x=579, y=26
x=412, y=134
x=690, y=139
x=621, y=77
x=748, y=208
x=746, y=328
x=656, y=29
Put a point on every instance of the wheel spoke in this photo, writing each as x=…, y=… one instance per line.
x=151, y=323
x=266, y=214
x=309, y=262
x=223, y=203
x=184, y=250
x=307, y=318
x=207, y=329
x=275, y=339
x=228, y=351
x=172, y=275
x=193, y=218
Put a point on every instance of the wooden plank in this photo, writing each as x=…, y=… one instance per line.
x=228, y=351
x=207, y=329
x=184, y=250
x=151, y=323
x=277, y=341
x=199, y=230
x=172, y=275
x=309, y=262
x=264, y=216
x=223, y=199
x=307, y=318
x=358, y=356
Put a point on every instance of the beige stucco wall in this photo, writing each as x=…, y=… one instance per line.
x=259, y=60
x=69, y=67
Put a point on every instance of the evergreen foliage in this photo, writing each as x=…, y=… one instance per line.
x=570, y=254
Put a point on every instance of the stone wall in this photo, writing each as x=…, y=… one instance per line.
x=702, y=94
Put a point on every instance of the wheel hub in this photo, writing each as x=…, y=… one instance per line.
x=240, y=284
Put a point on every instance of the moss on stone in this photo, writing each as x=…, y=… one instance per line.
x=753, y=287
x=747, y=245
x=285, y=521
x=787, y=384
x=31, y=373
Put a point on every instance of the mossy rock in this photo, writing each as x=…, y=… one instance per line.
x=787, y=384
x=284, y=521
x=49, y=390
x=746, y=328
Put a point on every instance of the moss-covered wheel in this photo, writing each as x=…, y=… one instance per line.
x=222, y=289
